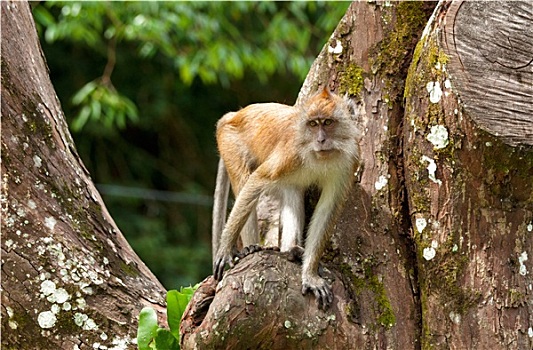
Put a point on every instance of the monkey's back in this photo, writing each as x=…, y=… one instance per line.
x=257, y=134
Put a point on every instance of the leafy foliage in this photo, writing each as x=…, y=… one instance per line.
x=142, y=85
x=103, y=103
x=152, y=337
x=215, y=41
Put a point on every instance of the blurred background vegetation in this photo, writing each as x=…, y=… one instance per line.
x=142, y=85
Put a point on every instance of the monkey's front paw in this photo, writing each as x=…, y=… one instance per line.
x=320, y=289
x=220, y=264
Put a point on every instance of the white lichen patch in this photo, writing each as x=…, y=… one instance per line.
x=337, y=50
x=530, y=332
x=21, y=212
x=381, y=182
x=420, y=224
x=12, y=323
x=55, y=309
x=434, y=90
x=429, y=253
x=432, y=168
x=438, y=136
x=31, y=204
x=74, y=275
x=455, y=317
x=85, y=322
x=46, y=319
x=10, y=312
x=530, y=227
x=9, y=244
x=448, y=87
x=37, y=161
x=521, y=259
x=122, y=343
x=81, y=303
x=59, y=296
x=47, y=288
x=50, y=222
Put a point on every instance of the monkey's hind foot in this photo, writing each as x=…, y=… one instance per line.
x=296, y=254
x=254, y=248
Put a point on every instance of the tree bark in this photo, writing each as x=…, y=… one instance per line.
x=470, y=174
x=69, y=278
x=433, y=249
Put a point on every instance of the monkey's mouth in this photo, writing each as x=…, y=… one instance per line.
x=324, y=153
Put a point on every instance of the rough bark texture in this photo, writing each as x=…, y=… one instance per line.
x=471, y=191
x=69, y=278
x=433, y=249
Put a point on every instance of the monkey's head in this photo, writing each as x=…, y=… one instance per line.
x=327, y=129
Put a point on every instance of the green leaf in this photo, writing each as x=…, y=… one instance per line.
x=147, y=330
x=96, y=109
x=83, y=93
x=176, y=304
x=165, y=340
x=43, y=16
x=81, y=119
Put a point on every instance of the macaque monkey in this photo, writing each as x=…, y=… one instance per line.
x=282, y=149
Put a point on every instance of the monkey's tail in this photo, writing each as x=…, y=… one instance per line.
x=220, y=206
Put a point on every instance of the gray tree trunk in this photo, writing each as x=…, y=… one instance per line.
x=434, y=247
x=69, y=278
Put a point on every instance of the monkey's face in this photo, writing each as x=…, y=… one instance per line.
x=322, y=133
x=326, y=130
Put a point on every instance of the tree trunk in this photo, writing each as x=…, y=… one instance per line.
x=69, y=278
x=469, y=177
x=432, y=248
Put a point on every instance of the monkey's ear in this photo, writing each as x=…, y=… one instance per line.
x=326, y=94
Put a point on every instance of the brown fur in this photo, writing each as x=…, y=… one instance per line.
x=286, y=149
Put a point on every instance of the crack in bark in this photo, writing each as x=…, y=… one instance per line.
x=405, y=223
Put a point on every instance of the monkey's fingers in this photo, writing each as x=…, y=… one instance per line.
x=323, y=294
x=220, y=264
x=249, y=250
x=218, y=269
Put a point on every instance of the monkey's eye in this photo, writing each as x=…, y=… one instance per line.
x=313, y=123
x=328, y=121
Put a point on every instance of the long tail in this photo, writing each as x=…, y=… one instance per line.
x=220, y=206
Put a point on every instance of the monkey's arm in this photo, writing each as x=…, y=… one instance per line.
x=320, y=230
x=244, y=204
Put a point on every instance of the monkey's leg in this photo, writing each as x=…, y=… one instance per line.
x=292, y=218
x=244, y=204
x=250, y=231
x=318, y=234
